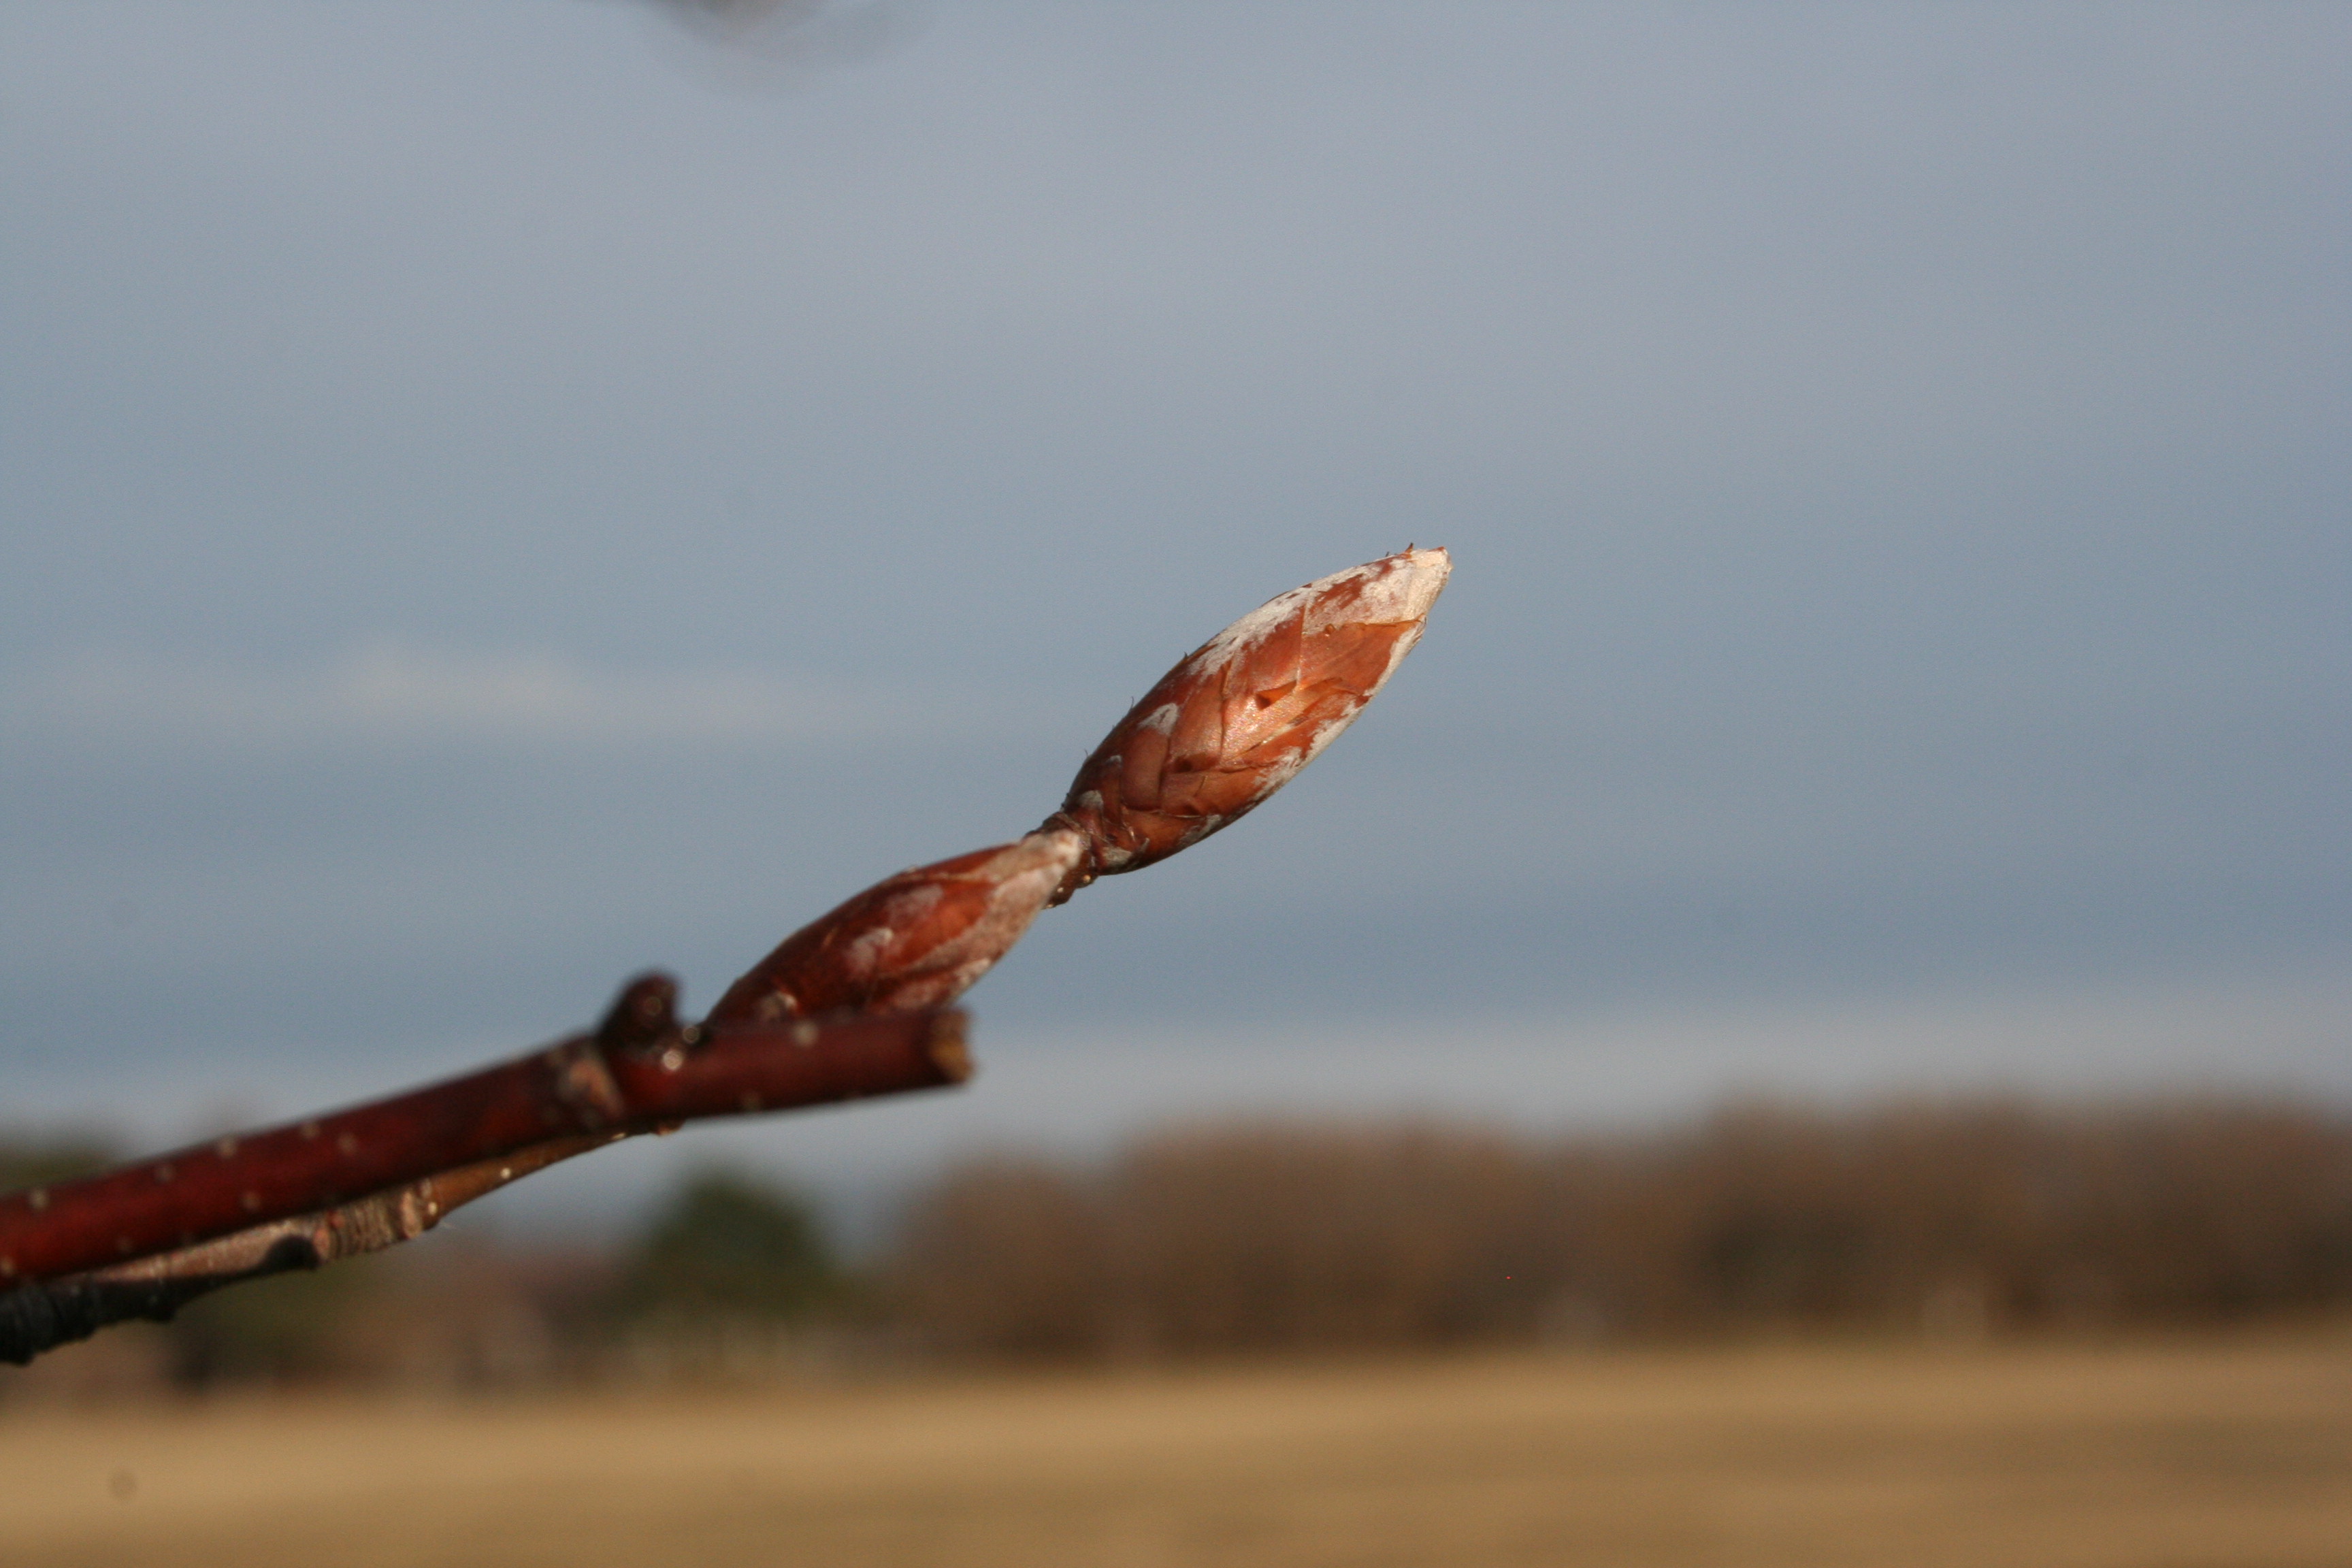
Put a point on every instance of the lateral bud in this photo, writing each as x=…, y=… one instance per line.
x=642, y=1015
x=913, y=940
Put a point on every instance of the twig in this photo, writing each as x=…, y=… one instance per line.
x=625, y=1077
x=845, y=1006
x=434, y=1151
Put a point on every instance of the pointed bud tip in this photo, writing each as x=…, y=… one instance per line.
x=1412, y=579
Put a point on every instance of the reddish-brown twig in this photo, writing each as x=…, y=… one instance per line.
x=836, y=1010
x=639, y=1071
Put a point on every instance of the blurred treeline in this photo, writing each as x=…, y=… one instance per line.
x=1953, y=1220
x=1956, y=1220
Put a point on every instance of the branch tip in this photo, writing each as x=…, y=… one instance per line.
x=1240, y=715
x=948, y=1047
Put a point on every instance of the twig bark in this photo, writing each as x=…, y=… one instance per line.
x=589, y=1085
x=266, y=1202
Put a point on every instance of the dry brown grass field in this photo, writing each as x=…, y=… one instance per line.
x=2197, y=1455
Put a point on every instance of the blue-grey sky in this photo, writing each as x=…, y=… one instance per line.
x=495, y=496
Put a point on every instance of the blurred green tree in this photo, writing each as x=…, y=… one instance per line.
x=728, y=1246
x=27, y=1160
x=291, y=1327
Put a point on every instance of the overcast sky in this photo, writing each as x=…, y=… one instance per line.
x=499, y=495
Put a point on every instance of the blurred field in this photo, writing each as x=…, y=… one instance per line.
x=2199, y=1455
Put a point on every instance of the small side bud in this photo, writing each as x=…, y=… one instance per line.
x=646, y=1010
x=1233, y=722
x=916, y=940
